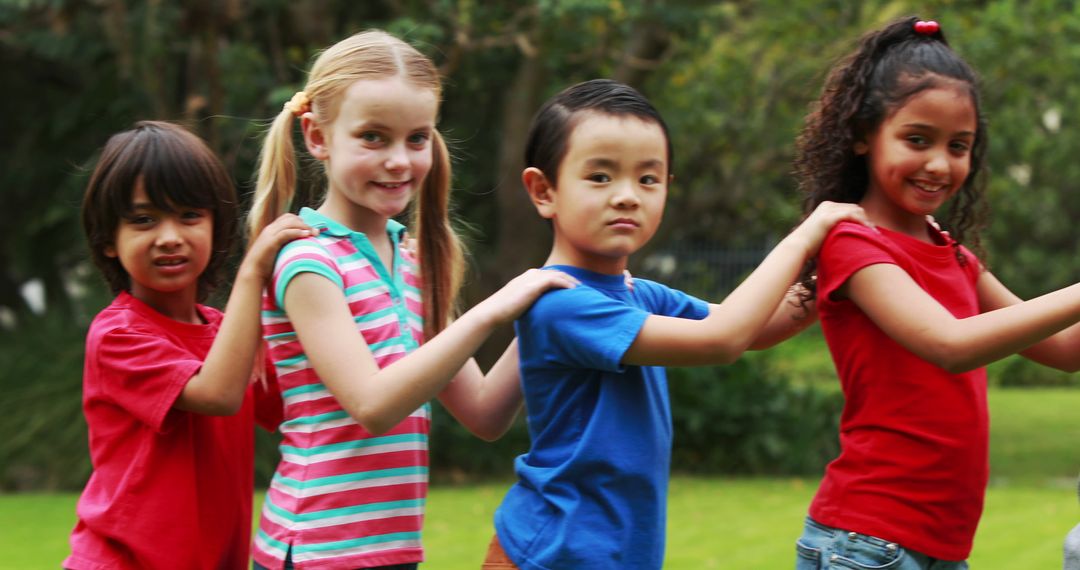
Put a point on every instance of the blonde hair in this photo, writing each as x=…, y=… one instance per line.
x=370, y=55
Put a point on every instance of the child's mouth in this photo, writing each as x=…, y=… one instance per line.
x=928, y=187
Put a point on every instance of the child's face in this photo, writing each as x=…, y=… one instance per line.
x=609, y=198
x=163, y=252
x=921, y=154
x=377, y=150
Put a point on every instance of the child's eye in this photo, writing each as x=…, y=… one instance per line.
x=917, y=140
x=139, y=219
x=192, y=214
x=650, y=179
x=418, y=139
x=370, y=137
x=960, y=147
x=599, y=177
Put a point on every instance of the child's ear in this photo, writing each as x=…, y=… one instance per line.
x=861, y=147
x=314, y=137
x=540, y=191
x=110, y=251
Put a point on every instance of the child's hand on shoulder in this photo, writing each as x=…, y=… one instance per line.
x=264, y=249
x=516, y=296
x=817, y=225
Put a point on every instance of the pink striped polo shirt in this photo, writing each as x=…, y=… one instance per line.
x=342, y=498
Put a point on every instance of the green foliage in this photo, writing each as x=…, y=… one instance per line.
x=747, y=418
x=44, y=444
x=1019, y=372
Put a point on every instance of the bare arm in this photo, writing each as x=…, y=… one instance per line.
x=218, y=388
x=486, y=404
x=380, y=399
x=904, y=311
x=1061, y=350
x=789, y=319
x=735, y=323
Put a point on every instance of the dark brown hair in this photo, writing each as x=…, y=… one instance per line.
x=887, y=68
x=177, y=170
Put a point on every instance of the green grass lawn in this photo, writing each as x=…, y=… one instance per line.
x=726, y=523
x=714, y=523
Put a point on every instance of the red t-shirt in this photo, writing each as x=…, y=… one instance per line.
x=913, y=460
x=170, y=489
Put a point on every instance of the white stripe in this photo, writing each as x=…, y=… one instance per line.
x=368, y=293
x=358, y=263
x=356, y=452
x=283, y=371
x=300, y=249
x=269, y=320
x=347, y=486
x=388, y=350
x=307, y=397
x=312, y=428
x=410, y=294
x=381, y=321
x=320, y=554
x=267, y=547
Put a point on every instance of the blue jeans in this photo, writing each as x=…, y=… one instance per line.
x=825, y=548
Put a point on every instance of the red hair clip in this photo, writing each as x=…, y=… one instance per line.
x=927, y=27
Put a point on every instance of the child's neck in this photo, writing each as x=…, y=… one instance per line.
x=586, y=260
x=890, y=217
x=366, y=222
x=179, y=306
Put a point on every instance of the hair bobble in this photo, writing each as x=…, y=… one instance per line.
x=927, y=27
x=299, y=104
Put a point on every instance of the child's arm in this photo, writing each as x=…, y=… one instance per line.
x=734, y=324
x=218, y=388
x=380, y=399
x=788, y=320
x=486, y=404
x=909, y=315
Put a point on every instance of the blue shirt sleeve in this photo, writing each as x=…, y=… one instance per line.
x=665, y=301
x=580, y=328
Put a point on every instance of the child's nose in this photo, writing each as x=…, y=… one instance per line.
x=625, y=196
x=169, y=234
x=397, y=158
x=938, y=163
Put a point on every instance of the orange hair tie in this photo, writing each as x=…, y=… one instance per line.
x=299, y=104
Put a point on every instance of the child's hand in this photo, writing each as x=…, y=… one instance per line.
x=508, y=303
x=817, y=225
x=260, y=257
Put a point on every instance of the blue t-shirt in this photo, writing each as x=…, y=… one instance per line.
x=592, y=490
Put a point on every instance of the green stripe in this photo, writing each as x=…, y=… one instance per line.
x=366, y=541
x=350, y=477
x=275, y=543
x=305, y=389
x=316, y=419
x=279, y=335
x=302, y=265
x=291, y=360
x=374, y=315
x=396, y=341
x=373, y=284
x=369, y=442
x=353, y=510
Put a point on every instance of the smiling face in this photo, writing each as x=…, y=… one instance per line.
x=163, y=252
x=919, y=157
x=377, y=150
x=609, y=197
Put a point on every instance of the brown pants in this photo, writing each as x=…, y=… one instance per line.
x=496, y=558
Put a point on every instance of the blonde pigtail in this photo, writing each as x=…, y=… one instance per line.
x=441, y=255
x=276, y=184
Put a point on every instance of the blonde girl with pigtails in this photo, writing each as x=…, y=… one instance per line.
x=359, y=329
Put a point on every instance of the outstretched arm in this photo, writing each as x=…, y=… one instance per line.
x=1061, y=350
x=380, y=399
x=909, y=315
x=735, y=323
x=218, y=388
x=486, y=404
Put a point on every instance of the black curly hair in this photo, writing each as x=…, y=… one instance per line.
x=886, y=69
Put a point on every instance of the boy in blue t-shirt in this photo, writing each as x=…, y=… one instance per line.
x=591, y=491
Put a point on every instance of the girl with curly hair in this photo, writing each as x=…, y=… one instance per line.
x=910, y=315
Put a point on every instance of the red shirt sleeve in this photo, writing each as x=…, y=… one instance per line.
x=269, y=406
x=848, y=248
x=143, y=373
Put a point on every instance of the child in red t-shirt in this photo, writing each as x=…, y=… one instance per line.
x=166, y=388
x=909, y=314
